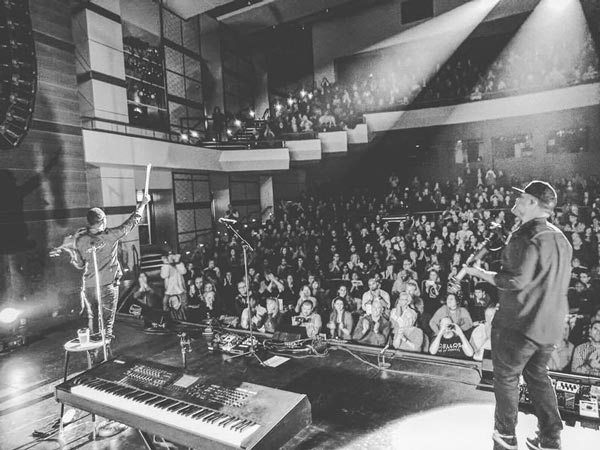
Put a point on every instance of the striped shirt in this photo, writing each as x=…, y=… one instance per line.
x=586, y=359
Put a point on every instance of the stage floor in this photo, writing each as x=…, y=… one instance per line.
x=354, y=405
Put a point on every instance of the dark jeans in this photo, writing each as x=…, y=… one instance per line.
x=109, y=296
x=150, y=315
x=513, y=354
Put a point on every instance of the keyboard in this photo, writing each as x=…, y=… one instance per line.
x=186, y=408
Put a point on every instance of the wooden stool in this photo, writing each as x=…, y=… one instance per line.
x=74, y=346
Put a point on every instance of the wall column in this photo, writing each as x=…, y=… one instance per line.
x=212, y=68
x=219, y=187
x=100, y=66
x=266, y=197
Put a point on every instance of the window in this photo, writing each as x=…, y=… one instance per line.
x=181, y=44
x=516, y=146
x=193, y=210
x=144, y=77
x=569, y=140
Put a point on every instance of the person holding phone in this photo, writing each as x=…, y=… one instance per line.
x=451, y=341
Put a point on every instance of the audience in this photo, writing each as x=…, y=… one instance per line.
x=477, y=72
x=340, y=323
x=373, y=328
x=563, y=352
x=586, y=357
x=450, y=341
x=255, y=314
x=308, y=319
x=458, y=315
x=403, y=318
x=337, y=254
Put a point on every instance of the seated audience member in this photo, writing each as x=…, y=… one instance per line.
x=175, y=298
x=375, y=292
x=305, y=294
x=257, y=318
x=239, y=302
x=211, y=306
x=195, y=301
x=481, y=337
x=349, y=303
x=146, y=299
x=340, y=320
x=431, y=289
x=274, y=284
x=401, y=279
x=274, y=316
x=581, y=299
x=289, y=294
x=357, y=288
x=145, y=294
x=479, y=304
x=308, y=319
x=457, y=314
x=226, y=291
x=372, y=328
x=450, y=341
x=586, y=357
x=560, y=359
x=403, y=319
x=580, y=326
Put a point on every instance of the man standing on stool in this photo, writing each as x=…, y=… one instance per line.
x=105, y=240
x=532, y=287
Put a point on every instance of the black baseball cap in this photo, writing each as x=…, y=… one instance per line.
x=542, y=191
x=94, y=216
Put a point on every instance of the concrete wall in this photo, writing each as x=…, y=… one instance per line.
x=344, y=36
x=540, y=163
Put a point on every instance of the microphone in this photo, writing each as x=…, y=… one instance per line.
x=226, y=220
x=96, y=246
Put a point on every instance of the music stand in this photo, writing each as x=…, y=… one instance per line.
x=245, y=247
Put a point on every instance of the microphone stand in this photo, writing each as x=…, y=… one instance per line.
x=93, y=250
x=245, y=247
x=186, y=347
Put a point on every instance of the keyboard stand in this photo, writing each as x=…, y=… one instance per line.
x=150, y=444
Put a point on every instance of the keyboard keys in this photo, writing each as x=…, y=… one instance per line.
x=194, y=418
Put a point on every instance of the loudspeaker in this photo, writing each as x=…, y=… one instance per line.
x=18, y=72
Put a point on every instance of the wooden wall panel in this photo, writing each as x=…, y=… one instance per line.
x=52, y=17
x=44, y=192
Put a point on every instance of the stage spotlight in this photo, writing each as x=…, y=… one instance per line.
x=194, y=134
x=238, y=123
x=302, y=93
x=290, y=101
x=184, y=137
x=252, y=113
x=278, y=107
x=9, y=315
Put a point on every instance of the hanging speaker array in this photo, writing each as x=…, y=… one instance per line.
x=18, y=72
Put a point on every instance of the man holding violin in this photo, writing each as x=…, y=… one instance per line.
x=532, y=288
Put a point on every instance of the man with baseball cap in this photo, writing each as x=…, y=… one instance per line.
x=532, y=289
x=105, y=241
